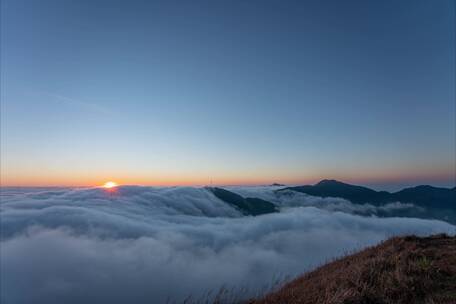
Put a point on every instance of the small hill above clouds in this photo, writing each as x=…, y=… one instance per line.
x=401, y=270
x=248, y=206
x=277, y=185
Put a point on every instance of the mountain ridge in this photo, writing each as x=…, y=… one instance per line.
x=422, y=195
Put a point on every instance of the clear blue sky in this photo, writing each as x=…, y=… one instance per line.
x=179, y=92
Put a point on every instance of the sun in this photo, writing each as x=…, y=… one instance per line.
x=109, y=185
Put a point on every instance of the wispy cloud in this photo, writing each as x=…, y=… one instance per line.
x=88, y=106
x=84, y=105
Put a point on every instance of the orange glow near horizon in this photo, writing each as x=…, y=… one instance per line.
x=84, y=180
x=44, y=177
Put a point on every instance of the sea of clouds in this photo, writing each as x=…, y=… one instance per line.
x=152, y=245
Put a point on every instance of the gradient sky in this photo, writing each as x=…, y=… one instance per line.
x=240, y=92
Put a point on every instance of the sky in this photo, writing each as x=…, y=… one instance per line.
x=228, y=92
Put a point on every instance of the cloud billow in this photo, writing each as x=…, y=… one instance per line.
x=150, y=245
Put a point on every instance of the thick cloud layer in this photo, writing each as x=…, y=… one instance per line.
x=150, y=245
x=289, y=198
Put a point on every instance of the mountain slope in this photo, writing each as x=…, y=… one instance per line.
x=400, y=270
x=333, y=188
x=248, y=206
x=426, y=196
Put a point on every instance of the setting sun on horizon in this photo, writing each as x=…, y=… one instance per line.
x=109, y=185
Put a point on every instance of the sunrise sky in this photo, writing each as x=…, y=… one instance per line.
x=246, y=92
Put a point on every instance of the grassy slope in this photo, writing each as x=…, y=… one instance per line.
x=399, y=270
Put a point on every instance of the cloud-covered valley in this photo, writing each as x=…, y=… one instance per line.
x=150, y=245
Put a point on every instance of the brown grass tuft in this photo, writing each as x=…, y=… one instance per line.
x=400, y=270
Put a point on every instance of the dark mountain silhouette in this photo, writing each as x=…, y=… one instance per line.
x=428, y=202
x=248, y=206
x=427, y=196
x=423, y=196
x=277, y=185
x=400, y=270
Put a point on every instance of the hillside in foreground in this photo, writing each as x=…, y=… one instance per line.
x=400, y=270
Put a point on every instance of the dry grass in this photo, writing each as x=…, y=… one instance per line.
x=399, y=270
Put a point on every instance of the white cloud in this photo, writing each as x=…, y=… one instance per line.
x=289, y=198
x=143, y=245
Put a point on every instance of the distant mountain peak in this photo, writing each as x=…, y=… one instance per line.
x=328, y=182
x=423, y=187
